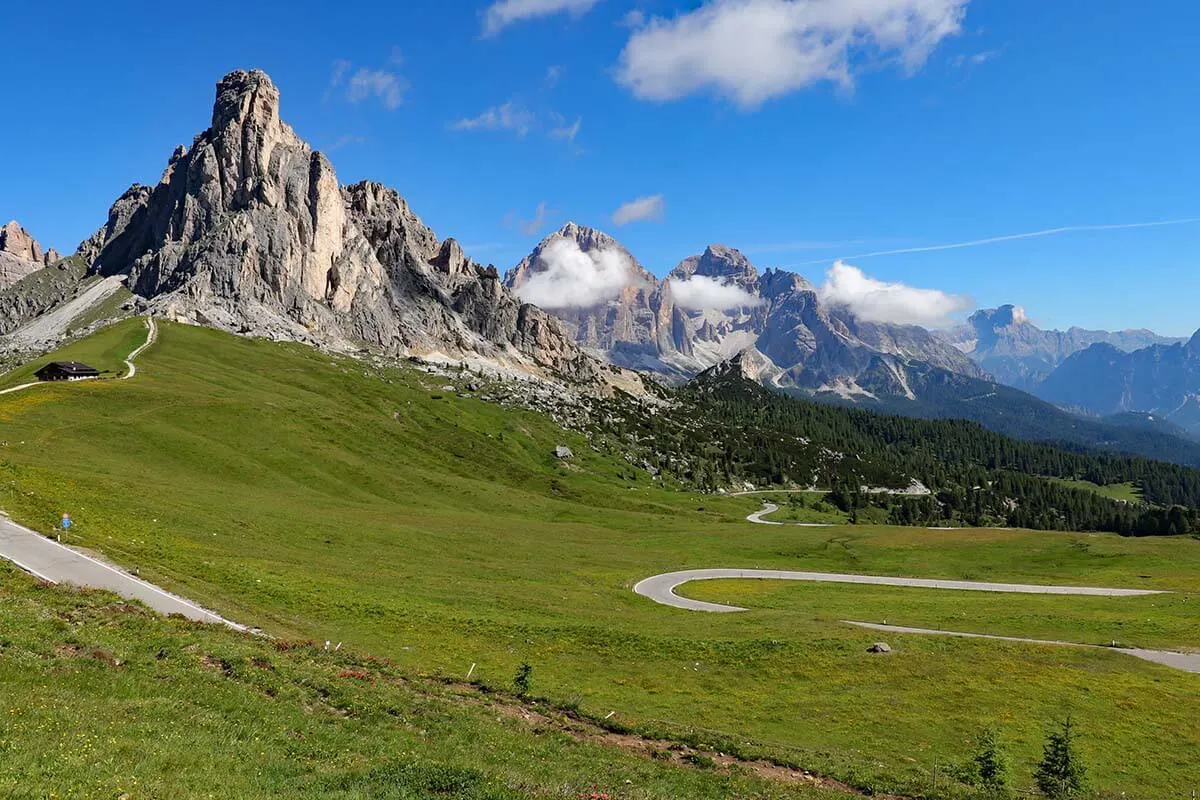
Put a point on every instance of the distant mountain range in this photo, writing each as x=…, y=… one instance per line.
x=716, y=305
x=1160, y=380
x=249, y=230
x=1132, y=377
x=1016, y=352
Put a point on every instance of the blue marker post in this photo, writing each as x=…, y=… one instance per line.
x=66, y=524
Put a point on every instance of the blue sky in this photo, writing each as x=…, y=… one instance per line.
x=909, y=123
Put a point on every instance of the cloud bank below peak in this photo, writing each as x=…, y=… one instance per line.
x=873, y=300
x=705, y=293
x=750, y=51
x=574, y=278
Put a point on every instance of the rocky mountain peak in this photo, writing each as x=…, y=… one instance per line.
x=249, y=230
x=1005, y=316
x=245, y=97
x=777, y=282
x=748, y=364
x=720, y=262
x=587, y=238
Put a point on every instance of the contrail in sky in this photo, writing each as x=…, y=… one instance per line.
x=1014, y=236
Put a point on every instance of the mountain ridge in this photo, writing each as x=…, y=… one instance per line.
x=713, y=305
x=249, y=230
x=1006, y=343
x=1161, y=380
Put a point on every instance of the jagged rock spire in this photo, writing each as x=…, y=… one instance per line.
x=249, y=230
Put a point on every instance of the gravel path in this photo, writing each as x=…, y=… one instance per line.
x=131, y=368
x=151, y=335
x=661, y=588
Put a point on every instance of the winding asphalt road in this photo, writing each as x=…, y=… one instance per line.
x=1188, y=662
x=771, y=508
x=661, y=589
x=45, y=558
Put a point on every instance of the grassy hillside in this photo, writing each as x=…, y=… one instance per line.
x=101, y=699
x=106, y=351
x=321, y=498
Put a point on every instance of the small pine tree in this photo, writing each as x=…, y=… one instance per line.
x=523, y=680
x=991, y=767
x=1060, y=775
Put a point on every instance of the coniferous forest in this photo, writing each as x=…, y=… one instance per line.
x=724, y=430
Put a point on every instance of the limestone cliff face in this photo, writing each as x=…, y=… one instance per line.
x=20, y=254
x=248, y=229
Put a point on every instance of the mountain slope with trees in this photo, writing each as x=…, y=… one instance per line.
x=726, y=429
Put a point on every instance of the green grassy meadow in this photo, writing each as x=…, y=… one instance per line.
x=323, y=498
x=104, y=700
x=106, y=351
x=1114, y=491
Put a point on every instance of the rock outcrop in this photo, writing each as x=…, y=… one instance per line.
x=249, y=230
x=21, y=255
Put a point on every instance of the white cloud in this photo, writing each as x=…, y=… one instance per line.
x=873, y=300
x=703, y=292
x=388, y=87
x=973, y=59
x=572, y=278
x=562, y=130
x=753, y=50
x=510, y=116
x=503, y=13
x=644, y=209
x=554, y=74
x=346, y=141
x=340, y=67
